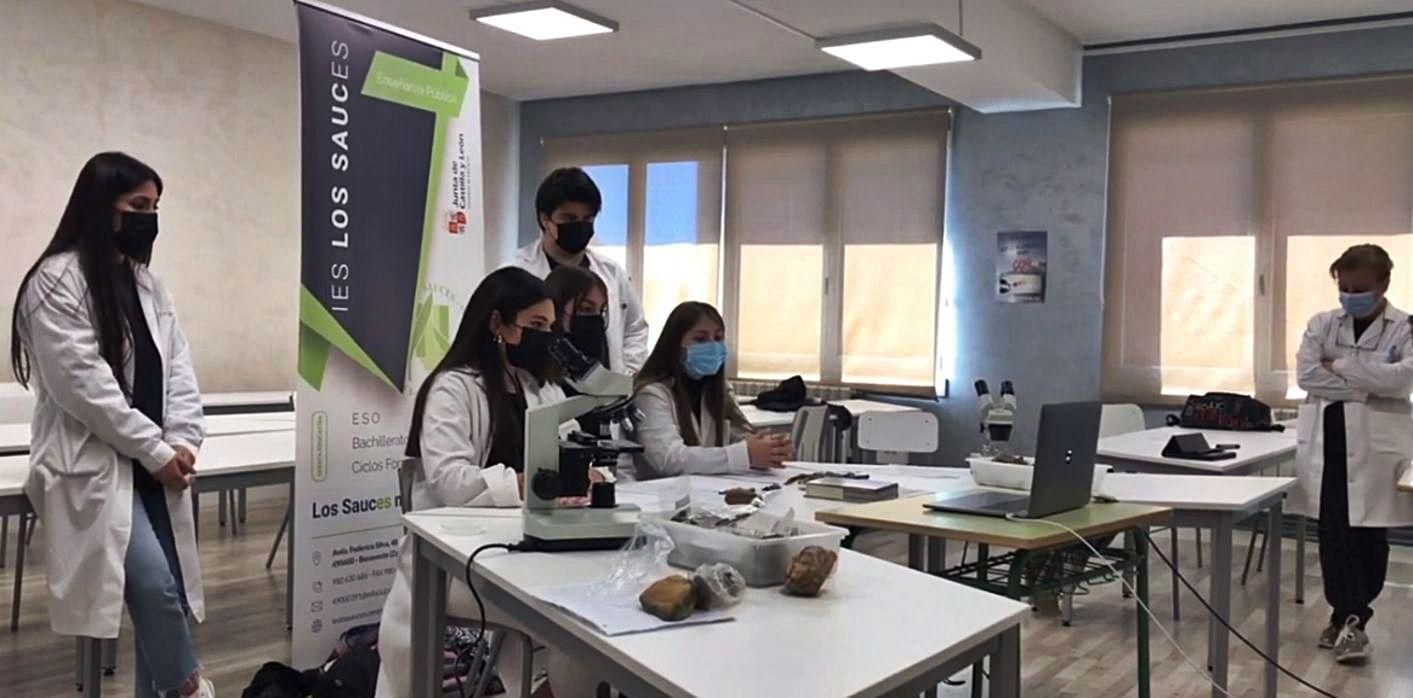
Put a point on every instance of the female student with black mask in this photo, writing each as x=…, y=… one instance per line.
x=690, y=423
x=581, y=297
x=468, y=430
x=116, y=429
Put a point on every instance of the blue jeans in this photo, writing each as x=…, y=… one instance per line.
x=166, y=657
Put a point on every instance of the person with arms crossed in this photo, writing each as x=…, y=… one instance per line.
x=1355, y=439
x=566, y=205
x=468, y=430
x=690, y=423
x=116, y=429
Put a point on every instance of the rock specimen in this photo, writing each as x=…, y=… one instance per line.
x=809, y=570
x=670, y=598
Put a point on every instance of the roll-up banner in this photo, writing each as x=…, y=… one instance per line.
x=392, y=248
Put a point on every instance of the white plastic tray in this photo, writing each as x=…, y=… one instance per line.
x=989, y=473
x=761, y=562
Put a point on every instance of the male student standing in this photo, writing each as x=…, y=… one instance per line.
x=565, y=207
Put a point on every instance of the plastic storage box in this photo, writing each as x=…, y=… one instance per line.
x=1012, y=476
x=761, y=562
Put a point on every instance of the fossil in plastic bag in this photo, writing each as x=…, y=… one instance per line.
x=718, y=585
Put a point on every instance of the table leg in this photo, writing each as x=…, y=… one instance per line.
x=983, y=552
x=221, y=508
x=936, y=555
x=92, y=669
x=1140, y=547
x=1006, y=666
x=1273, y=603
x=428, y=619
x=917, y=553
x=19, y=572
x=1300, y=560
x=241, y=496
x=289, y=563
x=110, y=656
x=5, y=538
x=1220, y=593
x=279, y=536
x=1177, y=589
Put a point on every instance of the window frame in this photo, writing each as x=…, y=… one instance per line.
x=640, y=149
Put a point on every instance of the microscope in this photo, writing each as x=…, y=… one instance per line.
x=998, y=416
x=556, y=467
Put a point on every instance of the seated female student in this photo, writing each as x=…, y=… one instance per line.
x=690, y=423
x=467, y=428
x=581, y=298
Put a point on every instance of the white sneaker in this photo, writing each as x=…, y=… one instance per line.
x=207, y=689
x=1352, y=647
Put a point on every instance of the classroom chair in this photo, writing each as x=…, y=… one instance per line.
x=484, y=661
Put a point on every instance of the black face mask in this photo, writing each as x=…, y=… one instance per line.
x=532, y=353
x=589, y=335
x=574, y=236
x=138, y=232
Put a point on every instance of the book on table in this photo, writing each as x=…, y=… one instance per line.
x=848, y=490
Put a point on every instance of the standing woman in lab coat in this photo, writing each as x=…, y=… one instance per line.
x=690, y=423
x=1355, y=439
x=468, y=430
x=116, y=428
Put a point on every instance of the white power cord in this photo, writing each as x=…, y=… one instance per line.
x=1118, y=575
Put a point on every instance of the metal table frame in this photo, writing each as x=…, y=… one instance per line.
x=429, y=594
x=928, y=554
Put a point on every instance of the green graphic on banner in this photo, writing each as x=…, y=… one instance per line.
x=431, y=332
x=441, y=92
x=316, y=320
x=415, y=85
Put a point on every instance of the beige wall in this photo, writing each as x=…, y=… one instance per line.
x=214, y=110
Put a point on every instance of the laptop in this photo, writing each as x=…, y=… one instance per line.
x=1064, y=469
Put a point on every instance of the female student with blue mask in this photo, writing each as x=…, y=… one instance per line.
x=690, y=423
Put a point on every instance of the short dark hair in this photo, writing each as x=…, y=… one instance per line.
x=1371, y=257
x=564, y=185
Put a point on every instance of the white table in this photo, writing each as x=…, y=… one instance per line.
x=1196, y=501
x=225, y=462
x=250, y=401
x=15, y=437
x=763, y=419
x=1205, y=502
x=880, y=629
x=1142, y=451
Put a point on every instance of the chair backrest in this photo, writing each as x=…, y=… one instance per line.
x=808, y=431
x=406, y=475
x=1121, y=419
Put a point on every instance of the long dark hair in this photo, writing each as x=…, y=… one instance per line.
x=570, y=285
x=87, y=229
x=664, y=365
x=507, y=292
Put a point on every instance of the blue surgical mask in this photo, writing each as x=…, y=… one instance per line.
x=705, y=359
x=1359, y=305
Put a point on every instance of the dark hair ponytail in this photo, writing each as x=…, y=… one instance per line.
x=87, y=229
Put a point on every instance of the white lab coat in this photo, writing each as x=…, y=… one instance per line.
x=456, y=440
x=665, y=454
x=1373, y=378
x=85, y=435
x=627, y=330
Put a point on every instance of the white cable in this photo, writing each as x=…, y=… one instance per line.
x=1195, y=666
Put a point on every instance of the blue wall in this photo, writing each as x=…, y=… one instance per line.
x=1028, y=170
